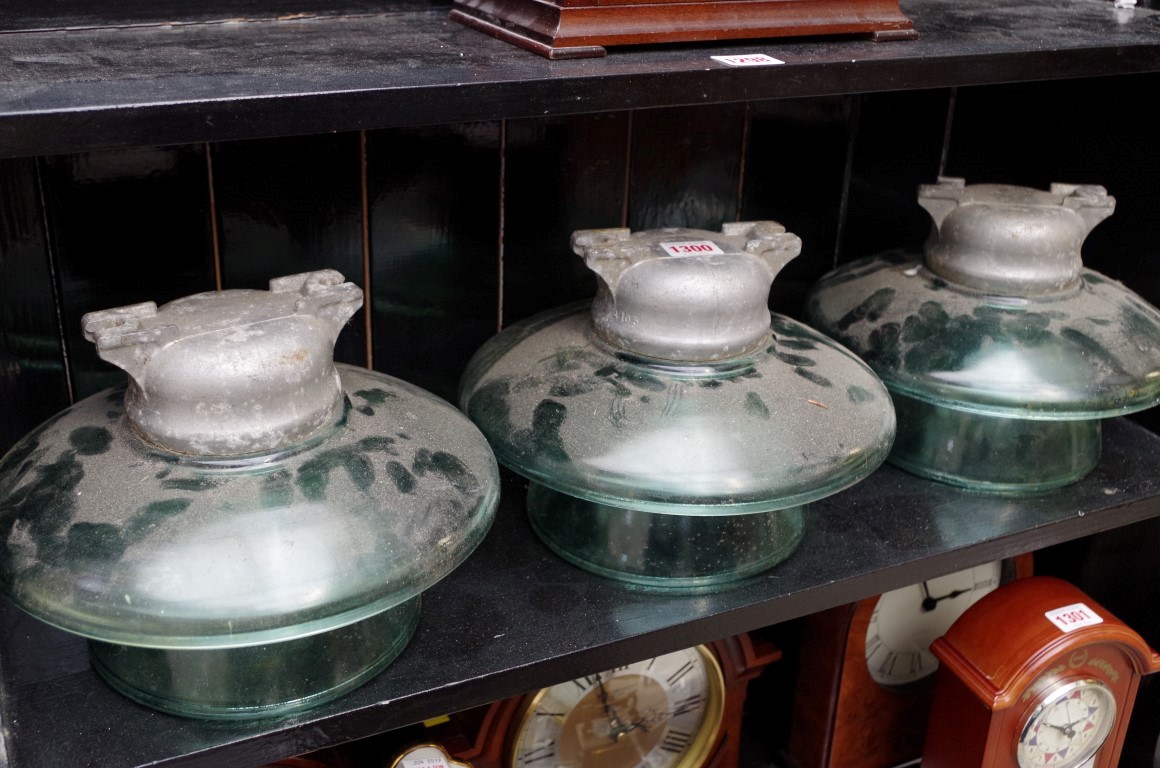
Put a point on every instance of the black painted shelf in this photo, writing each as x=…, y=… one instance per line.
x=514, y=617
x=139, y=82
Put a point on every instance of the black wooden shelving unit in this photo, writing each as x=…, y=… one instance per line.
x=514, y=618
x=104, y=84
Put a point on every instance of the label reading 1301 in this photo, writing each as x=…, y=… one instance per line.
x=1072, y=617
x=692, y=247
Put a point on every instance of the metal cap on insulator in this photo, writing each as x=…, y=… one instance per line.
x=685, y=295
x=1011, y=240
x=232, y=372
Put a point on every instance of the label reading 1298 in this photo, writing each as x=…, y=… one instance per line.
x=1072, y=617
x=748, y=60
x=692, y=248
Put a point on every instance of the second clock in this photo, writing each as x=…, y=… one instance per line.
x=865, y=669
x=676, y=710
x=663, y=712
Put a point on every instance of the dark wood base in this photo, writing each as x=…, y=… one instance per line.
x=565, y=29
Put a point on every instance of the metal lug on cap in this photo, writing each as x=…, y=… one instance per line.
x=1091, y=201
x=608, y=252
x=325, y=295
x=120, y=338
x=941, y=198
x=767, y=240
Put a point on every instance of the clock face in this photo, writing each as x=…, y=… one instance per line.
x=906, y=621
x=658, y=713
x=1068, y=726
x=429, y=755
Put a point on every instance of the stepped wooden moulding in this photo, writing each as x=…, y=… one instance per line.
x=576, y=29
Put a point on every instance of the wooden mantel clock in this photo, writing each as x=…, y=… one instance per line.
x=572, y=29
x=1035, y=675
x=865, y=676
x=677, y=710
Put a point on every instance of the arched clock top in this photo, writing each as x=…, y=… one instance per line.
x=1045, y=624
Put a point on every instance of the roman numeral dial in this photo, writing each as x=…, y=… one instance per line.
x=906, y=621
x=662, y=712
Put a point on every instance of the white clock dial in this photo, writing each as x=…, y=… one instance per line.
x=1068, y=726
x=906, y=621
x=657, y=713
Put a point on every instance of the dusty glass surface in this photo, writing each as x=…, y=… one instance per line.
x=665, y=551
x=258, y=680
x=1000, y=349
x=797, y=420
x=673, y=429
x=992, y=453
x=244, y=528
x=1088, y=352
x=107, y=537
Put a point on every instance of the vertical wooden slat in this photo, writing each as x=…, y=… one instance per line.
x=685, y=166
x=127, y=226
x=563, y=174
x=292, y=205
x=434, y=221
x=33, y=382
x=365, y=237
x=899, y=146
x=794, y=174
x=214, y=237
x=501, y=233
x=744, y=159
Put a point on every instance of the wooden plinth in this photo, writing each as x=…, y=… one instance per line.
x=573, y=29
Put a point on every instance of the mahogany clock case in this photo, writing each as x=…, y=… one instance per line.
x=997, y=690
x=842, y=716
x=1132, y=599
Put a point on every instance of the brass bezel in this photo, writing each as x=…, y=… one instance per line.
x=398, y=761
x=700, y=749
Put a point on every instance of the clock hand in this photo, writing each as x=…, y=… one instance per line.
x=929, y=603
x=621, y=730
x=1066, y=730
x=1071, y=726
x=615, y=726
x=654, y=718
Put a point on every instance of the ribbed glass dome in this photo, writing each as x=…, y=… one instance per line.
x=996, y=326
x=676, y=395
x=245, y=530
